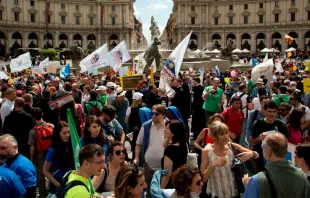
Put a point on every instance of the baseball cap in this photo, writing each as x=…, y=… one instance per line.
x=101, y=88
x=137, y=96
x=53, y=88
x=110, y=85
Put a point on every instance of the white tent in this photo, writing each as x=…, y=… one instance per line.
x=215, y=51
x=274, y=50
x=207, y=51
x=266, y=50
x=290, y=50
x=245, y=51
x=236, y=51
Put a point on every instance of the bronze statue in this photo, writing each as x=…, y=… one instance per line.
x=48, y=45
x=192, y=45
x=227, y=51
x=261, y=45
x=91, y=45
x=216, y=45
x=62, y=45
x=246, y=45
x=154, y=29
x=152, y=53
x=32, y=45
x=77, y=54
x=293, y=45
x=16, y=45
x=277, y=45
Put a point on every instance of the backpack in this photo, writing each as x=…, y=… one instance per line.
x=44, y=134
x=63, y=189
x=94, y=109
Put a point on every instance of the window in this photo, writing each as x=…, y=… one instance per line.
x=293, y=2
x=231, y=20
x=91, y=20
x=77, y=20
x=1, y=15
x=113, y=8
x=63, y=6
x=63, y=19
x=16, y=2
x=193, y=20
x=77, y=7
x=193, y=8
x=113, y=21
x=32, y=3
x=261, y=18
x=308, y=15
x=245, y=19
x=246, y=6
x=276, y=18
x=32, y=18
x=276, y=4
x=261, y=5
x=16, y=16
x=216, y=20
x=231, y=7
x=91, y=8
x=292, y=16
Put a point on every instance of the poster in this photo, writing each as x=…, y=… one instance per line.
x=306, y=82
x=60, y=101
x=51, y=69
x=131, y=82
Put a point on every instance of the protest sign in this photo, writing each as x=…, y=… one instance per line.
x=130, y=82
x=51, y=69
x=61, y=101
x=123, y=71
x=306, y=82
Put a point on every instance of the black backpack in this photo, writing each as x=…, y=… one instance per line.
x=63, y=189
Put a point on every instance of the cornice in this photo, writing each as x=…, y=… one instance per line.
x=231, y=14
x=63, y=13
x=77, y=14
x=32, y=11
x=91, y=15
x=2, y=8
x=113, y=14
x=293, y=10
x=16, y=9
x=216, y=14
x=277, y=11
x=193, y=14
x=246, y=13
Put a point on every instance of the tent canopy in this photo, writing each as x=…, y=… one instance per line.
x=245, y=51
x=290, y=50
x=236, y=51
x=215, y=51
x=266, y=50
x=206, y=51
x=274, y=50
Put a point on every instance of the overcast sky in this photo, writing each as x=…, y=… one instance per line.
x=162, y=11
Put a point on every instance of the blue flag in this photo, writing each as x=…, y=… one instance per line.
x=217, y=71
x=254, y=62
x=65, y=71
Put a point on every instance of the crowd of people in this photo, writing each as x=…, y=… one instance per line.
x=239, y=129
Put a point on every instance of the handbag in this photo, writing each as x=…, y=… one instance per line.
x=239, y=169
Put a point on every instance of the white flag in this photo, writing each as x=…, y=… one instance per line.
x=173, y=64
x=278, y=66
x=165, y=85
x=20, y=63
x=153, y=66
x=266, y=58
x=96, y=59
x=265, y=69
x=202, y=73
x=3, y=75
x=44, y=63
x=140, y=63
x=118, y=55
x=3, y=68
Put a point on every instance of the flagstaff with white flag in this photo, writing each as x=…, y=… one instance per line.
x=118, y=55
x=20, y=63
x=140, y=65
x=96, y=59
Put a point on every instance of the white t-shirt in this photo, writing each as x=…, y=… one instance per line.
x=128, y=111
x=155, y=151
x=256, y=103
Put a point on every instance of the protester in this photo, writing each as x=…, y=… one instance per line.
x=103, y=96
x=256, y=101
x=281, y=97
x=121, y=104
x=111, y=91
x=76, y=93
x=302, y=158
x=93, y=107
x=86, y=95
x=8, y=105
x=10, y=184
x=152, y=97
x=35, y=95
x=116, y=159
x=280, y=178
x=28, y=103
x=129, y=182
x=59, y=158
x=294, y=123
x=180, y=99
x=162, y=98
x=19, y=164
x=285, y=110
x=296, y=103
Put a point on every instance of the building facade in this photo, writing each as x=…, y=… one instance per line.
x=90, y=24
x=250, y=24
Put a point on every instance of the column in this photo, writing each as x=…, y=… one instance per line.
x=56, y=39
x=253, y=42
x=25, y=39
x=127, y=39
x=223, y=39
x=70, y=44
x=238, y=40
x=301, y=39
x=84, y=41
x=9, y=42
x=268, y=40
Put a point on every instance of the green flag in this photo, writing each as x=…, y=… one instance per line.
x=76, y=146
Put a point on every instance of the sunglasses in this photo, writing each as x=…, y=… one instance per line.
x=156, y=113
x=198, y=183
x=118, y=152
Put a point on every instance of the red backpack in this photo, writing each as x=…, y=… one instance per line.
x=94, y=109
x=44, y=134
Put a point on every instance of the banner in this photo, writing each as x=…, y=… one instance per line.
x=118, y=56
x=96, y=59
x=266, y=58
x=173, y=64
x=3, y=75
x=254, y=62
x=20, y=63
x=44, y=63
x=140, y=63
x=278, y=66
x=131, y=82
x=265, y=69
x=55, y=104
x=76, y=146
x=65, y=71
x=306, y=82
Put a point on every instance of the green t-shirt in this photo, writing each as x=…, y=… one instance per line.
x=211, y=104
x=284, y=97
x=89, y=106
x=78, y=191
x=250, y=87
x=103, y=98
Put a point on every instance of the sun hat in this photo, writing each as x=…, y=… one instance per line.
x=120, y=92
x=137, y=96
x=101, y=88
x=110, y=85
x=259, y=81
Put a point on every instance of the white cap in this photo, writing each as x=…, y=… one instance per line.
x=120, y=92
x=110, y=85
x=101, y=88
x=137, y=96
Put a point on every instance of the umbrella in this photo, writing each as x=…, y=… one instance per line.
x=236, y=51
x=215, y=51
x=266, y=50
x=290, y=50
x=246, y=51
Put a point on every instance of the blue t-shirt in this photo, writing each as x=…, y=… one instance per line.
x=114, y=127
x=10, y=185
x=95, y=141
x=24, y=169
x=50, y=157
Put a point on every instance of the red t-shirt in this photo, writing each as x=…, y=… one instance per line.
x=233, y=120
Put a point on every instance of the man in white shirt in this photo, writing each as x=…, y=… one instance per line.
x=8, y=105
x=150, y=142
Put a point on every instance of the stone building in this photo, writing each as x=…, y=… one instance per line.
x=88, y=23
x=251, y=24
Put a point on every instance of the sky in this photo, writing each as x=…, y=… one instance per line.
x=162, y=11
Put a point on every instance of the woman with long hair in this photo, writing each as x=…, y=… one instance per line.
x=121, y=104
x=129, y=182
x=302, y=158
x=133, y=119
x=93, y=133
x=116, y=158
x=59, y=157
x=175, y=131
x=85, y=95
x=217, y=158
x=294, y=122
